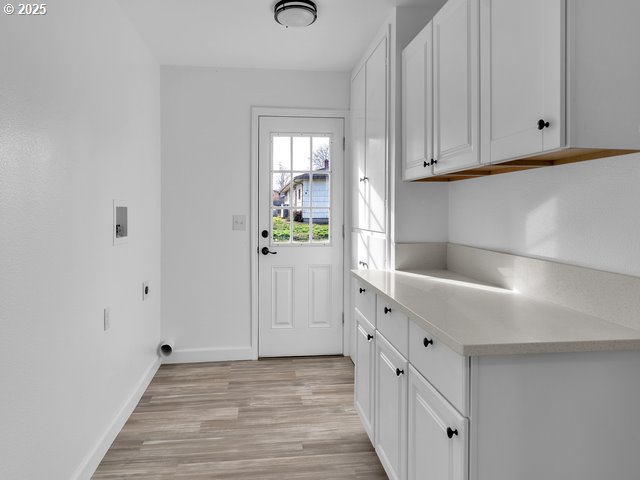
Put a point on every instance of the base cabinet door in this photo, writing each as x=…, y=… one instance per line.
x=365, y=358
x=438, y=434
x=391, y=409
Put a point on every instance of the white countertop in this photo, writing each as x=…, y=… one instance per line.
x=475, y=319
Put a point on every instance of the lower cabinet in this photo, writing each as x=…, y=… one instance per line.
x=365, y=358
x=438, y=434
x=391, y=408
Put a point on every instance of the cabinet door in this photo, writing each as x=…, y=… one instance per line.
x=370, y=250
x=417, y=106
x=391, y=409
x=456, y=86
x=365, y=360
x=376, y=138
x=358, y=114
x=438, y=434
x=522, y=77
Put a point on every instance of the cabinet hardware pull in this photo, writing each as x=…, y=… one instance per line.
x=542, y=124
x=426, y=342
x=451, y=433
x=364, y=264
x=362, y=290
x=265, y=251
x=401, y=372
x=369, y=337
x=364, y=179
x=387, y=310
x=426, y=164
x=433, y=162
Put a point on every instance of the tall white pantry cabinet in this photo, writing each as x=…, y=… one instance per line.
x=507, y=85
x=369, y=154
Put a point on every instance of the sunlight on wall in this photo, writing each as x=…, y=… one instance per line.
x=541, y=226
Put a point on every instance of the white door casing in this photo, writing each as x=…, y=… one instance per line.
x=300, y=274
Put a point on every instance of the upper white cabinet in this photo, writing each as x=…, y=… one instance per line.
x=520, y=84
x=417, y=106
x=522, y=45
x=369, y=140
x=456, y=101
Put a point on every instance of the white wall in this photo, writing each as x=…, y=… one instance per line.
x=79, y=127
x=206, y=151
x=585, y=214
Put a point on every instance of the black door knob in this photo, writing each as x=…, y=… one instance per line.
x=399, y=372
x=362, y=290
x=451, y=432
x=266, y=251
x=427, y=341
x=542, y=124
x=369, y=337
x=387, y=310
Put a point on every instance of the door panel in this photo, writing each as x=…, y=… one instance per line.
x=390, y=408
x=358, y=114
x=438, y=434
x=365, y=360
x=456, y=86
x=300, y=165
x=417, y=105
x=520, y=50
x=376, y=135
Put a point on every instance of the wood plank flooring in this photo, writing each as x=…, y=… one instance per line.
x=286, y=418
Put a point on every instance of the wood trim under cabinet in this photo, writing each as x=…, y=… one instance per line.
x=560, y=157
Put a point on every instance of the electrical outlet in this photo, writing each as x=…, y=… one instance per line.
x=106, y=319
x=145, y=289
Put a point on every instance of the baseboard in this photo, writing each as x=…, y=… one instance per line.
x=91, y=462
x=197, y=355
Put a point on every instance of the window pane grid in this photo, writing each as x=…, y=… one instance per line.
x=301, y=179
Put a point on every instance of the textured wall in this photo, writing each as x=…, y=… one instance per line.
x=79, y=127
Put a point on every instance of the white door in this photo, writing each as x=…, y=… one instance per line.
x=300, y=172
x=437, y=446
x=456, y=86
x=521, y=51
x=390, y=406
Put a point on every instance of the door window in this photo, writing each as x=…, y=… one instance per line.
x=301, y=183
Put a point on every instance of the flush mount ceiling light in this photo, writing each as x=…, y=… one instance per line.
x=300, y=13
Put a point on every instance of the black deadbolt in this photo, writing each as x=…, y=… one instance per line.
x=265, y=233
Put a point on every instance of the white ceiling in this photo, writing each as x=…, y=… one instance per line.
x=243, y=33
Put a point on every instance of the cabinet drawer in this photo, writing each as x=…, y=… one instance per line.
x=393, y=324
x=365, y=301
x=447, y=371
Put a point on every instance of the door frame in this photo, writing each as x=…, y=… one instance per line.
x=256, y=113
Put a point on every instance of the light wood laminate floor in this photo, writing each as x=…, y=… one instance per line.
x=288, y=418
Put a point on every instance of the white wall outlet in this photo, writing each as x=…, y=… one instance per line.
x=239, y=222
x=145, y=289
x=106, y=319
